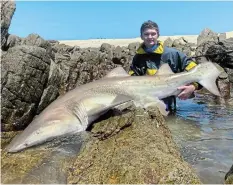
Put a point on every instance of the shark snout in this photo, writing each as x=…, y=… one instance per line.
x=15, y=147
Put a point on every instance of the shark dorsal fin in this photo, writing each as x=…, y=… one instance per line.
x=164, y=70
x=118, y=71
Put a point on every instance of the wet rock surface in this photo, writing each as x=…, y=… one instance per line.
x=25, y=71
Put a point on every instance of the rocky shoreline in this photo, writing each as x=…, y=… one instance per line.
x=36, y=71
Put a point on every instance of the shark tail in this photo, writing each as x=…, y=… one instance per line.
x=209, y=73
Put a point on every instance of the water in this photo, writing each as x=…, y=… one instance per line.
x=203, y=129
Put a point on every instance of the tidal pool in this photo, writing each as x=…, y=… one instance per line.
x=203, y=130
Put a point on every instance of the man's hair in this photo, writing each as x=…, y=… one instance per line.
x=151, y=25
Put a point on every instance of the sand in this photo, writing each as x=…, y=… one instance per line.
x=125, y=42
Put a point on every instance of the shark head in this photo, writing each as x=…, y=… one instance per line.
x=34, y=135
x=23, y=141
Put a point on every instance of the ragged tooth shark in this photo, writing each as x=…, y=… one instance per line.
x=74, y=111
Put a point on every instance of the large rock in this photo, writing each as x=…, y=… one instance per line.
x=133, y=148
x=25, y=70
x=222, y=53
x=54, y=87
x=81, y=66
x=201, y=50
x=133, y=47
x=168, y=42
x=12, y=41
x=207, y=35
x=183, y=45
x=7, y=12
x=206, y=39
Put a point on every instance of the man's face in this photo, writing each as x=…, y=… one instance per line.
x=149, y=36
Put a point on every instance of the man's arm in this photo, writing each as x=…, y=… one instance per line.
x=186, y=64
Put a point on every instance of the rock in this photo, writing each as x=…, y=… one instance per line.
x=117, y=55
x=224, y=88
x=66, y=65
x=7, y=12
x=168, y=42
x=133, y=47
x=179, y=41
x=229, y=176
x=222, y=37
x=53, y=87
x=25, y=70
x=105, y=47
x=86, y=65
x=12, y=41
x=35, y=40
x=230, y=74
x=222, y=53
x=62, y=48
x=202, y=48
x=121, y=56
x=133, y=148
x=107, y=52
x=207, y=35
x=182, y=45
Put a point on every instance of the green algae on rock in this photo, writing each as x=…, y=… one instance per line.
x=135, y=147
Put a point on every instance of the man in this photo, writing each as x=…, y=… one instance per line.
x=151, y=54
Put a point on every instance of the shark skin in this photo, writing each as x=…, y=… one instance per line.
x=75, y=110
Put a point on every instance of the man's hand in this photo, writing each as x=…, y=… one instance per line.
x=187, y=91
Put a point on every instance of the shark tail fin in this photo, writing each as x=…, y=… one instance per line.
x=209, y=80
x=210, y=86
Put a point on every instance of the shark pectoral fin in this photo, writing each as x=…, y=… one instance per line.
x=118, y=71
x=121, y=99
x=103, y=106
x=210, y=85
x=152, y=102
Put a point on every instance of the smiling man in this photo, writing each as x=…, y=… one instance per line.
x=152, y=53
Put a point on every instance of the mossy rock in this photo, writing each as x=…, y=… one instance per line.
x=135, y=147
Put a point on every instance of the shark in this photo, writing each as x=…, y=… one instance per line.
x=77, y=109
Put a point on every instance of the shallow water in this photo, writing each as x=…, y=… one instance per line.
x=203, y=130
